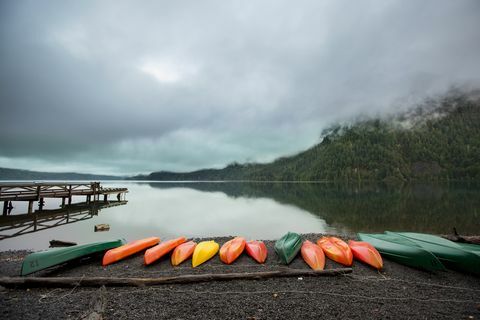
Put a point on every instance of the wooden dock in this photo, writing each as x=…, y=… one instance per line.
x=31, y=192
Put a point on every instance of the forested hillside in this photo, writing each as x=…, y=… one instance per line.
x=437, y=140
x=17, y=174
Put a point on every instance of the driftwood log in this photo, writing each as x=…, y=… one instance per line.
x=464, y=239
x=57, y=282
x=60, y=243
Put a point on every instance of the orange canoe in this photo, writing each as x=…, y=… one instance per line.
x=365, y=252
x=257, y=250
x=313, y=255
x=183, y=252
x=161, y=249
x=232, y=249
x=128, y=249
x=336, y=249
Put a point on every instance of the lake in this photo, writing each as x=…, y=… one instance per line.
x=252, y=210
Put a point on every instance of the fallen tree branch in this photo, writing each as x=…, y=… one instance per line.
x=462, y=239
x=57, y=282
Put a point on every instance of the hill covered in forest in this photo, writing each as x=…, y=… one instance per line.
x=18, y=174
x=439, y=140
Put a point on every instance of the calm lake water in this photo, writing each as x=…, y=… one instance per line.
x=252, y=210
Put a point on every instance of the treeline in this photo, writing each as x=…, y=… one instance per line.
x=439, y=140
x=17, y=174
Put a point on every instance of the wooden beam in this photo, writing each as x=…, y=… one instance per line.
x=57, y=282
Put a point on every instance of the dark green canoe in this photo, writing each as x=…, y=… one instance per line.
x=448, y=252
x=287, y=247
x=44, y=259
x=403, y=251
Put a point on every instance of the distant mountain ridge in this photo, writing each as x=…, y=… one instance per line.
x=18, y=174
x=437, y=140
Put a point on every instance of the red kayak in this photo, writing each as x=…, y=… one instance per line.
x=183, y=252
x=155, y=253
x=232, y=249
x=128, y=249
x=257, y=250
x=336, y=249
x=365, y=252
x=313, y=255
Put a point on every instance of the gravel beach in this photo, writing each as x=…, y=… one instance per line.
x=397, y=292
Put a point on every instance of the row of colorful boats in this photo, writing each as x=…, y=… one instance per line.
x=418, y=250
x=286, y=248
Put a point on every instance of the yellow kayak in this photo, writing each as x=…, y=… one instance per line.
x=204, y=251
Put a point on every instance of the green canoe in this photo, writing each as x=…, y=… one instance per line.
x=44, y=259
x=475, y=248
x=448, y=252
x=287, y=247
x=403, y=251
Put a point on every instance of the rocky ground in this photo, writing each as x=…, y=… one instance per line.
x=397, y=292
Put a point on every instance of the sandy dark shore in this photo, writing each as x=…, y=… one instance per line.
x=397, y=292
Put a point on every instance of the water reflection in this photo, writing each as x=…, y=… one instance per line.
x=431, y=208
x=20, y=224
x=255, y=211
x=175, y=211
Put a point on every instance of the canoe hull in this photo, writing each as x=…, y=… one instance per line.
x=161, y=249
x=44, y=259
x=288, y=246
x=336, y=249
x=403, y=251
x=257, y=250
x=182, y=252
x=313, y=255
x=128, y=249
x=448, y=252
x=232, y=249
x=204, y=251
x=366, y=253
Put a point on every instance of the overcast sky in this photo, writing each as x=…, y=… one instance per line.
x=126, y=87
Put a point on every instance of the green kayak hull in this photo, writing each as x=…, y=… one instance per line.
x=44, y=259
x=475, y=248
x=403, y=251
x=448, y=252
x=288, y=246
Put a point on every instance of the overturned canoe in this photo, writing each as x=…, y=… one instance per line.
x=336, y=249
x=182, y=252
x=313, y=255
x=161, y=249
x=128, y=249
x=204, y=251
x=257, y=250
x=232, y=249
x=403, y=251
x=366, y=253
x=44, y=259
x=448, y=252
x=288, y=246
x=474, y=248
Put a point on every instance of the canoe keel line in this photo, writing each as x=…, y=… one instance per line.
x=58, y=282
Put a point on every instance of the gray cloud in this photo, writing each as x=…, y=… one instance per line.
x=123, y=87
